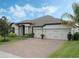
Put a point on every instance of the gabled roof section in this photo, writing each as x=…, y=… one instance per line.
x=42, y=20
x=45, y=20
x=25, y=22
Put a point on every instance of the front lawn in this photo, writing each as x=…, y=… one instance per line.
x=11, y=39
x=69, y=50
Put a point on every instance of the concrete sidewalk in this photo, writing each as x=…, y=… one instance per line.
x=7, y=55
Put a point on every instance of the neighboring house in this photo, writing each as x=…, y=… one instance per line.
x=51, y=27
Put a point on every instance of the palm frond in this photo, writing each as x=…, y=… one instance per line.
x=75, y=7
x=68, y=16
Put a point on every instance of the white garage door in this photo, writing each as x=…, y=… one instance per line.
x=56, y=33
x=37, y=33
x=52, y=33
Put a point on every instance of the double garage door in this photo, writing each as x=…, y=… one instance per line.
x=52, y=33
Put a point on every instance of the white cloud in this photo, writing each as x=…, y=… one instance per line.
x=78, y=0
x=48, y=10
x=22, y=12
x=17, y=11
x=2, y=10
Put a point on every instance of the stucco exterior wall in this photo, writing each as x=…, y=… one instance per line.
x=26, y=30
x=16, y=29
x=19, y=30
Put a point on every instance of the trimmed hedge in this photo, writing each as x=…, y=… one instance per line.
x=29, y=35
x=69, y=36
x=75, y=36
x=42, y=36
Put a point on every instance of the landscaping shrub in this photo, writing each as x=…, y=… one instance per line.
x=42, y=36
x=11, y=34
x=29, y=35
x=0, y=37
x=76, y=36
x=69, y=36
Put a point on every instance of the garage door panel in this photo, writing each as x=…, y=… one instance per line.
x=52, y=33
x=37, y=33
x=56, y=34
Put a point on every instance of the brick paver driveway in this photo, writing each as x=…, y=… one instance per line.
x=33, y=48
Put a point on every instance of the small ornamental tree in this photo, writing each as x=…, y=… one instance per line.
x=4, y=27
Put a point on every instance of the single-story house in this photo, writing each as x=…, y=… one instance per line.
x=51, y=27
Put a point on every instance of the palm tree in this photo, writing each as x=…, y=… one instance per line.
x=74, y=17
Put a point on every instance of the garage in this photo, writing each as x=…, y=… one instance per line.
x=52, y=32
x=56, y=34
x=37, y=32
x=60, y=34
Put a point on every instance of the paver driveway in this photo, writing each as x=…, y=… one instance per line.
x=32, y=48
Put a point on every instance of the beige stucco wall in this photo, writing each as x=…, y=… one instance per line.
x=26, y=30
x=16, y=29
x=19, y=30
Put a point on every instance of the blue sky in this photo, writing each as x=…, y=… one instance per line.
x=18, y=10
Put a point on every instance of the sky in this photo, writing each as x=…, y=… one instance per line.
x=18, y=10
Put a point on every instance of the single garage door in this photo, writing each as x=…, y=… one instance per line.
x=56, y=33
x=37, y=33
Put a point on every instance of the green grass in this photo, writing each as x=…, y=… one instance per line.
x=69, y=50
x=11, y=39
